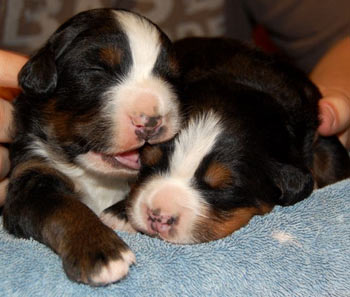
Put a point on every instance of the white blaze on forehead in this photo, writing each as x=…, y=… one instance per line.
x=139, y=91
x=144, y=41
x=193, y=144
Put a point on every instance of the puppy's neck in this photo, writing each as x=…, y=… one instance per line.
x=98, y=192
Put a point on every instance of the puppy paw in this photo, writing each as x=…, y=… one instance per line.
x=114, y=270
x=116, y=223
x=97, y=258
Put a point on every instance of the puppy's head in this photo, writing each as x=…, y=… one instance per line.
x=210, y=181
x=101, y=87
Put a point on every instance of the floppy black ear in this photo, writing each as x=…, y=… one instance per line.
x=294, y=183
x=38, y=77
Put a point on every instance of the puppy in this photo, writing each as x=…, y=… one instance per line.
x=249, y=143
x=100, y=88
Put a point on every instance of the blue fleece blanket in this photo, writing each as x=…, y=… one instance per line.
x=302, y=250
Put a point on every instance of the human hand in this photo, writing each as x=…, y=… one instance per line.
x=332, y=76
x=335, y=116
x=10, y=64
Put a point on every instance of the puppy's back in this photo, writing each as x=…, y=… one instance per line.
x=235, y=63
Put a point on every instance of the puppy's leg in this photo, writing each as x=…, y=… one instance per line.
x=331, y=161
x=115, y=217
x=42, y=204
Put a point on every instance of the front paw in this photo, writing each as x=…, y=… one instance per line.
x=98, y=258
x=116, y=223
x=115, y=217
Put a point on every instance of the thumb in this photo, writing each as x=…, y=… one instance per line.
x=334, y=115
x=6, y=110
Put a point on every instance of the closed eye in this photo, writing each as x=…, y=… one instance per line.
x=95, y=69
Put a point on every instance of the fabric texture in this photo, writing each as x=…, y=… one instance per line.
x=302, y=250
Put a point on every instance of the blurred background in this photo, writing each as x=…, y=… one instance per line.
x=26, y=24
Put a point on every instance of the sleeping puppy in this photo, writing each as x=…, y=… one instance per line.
x=249, y=143
x=100, y=88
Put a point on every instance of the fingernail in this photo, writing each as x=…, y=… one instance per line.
x=327, y=117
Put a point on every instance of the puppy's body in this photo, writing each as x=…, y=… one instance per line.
x=249, y=143
x=99, y=89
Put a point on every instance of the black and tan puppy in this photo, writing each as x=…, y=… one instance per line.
x=99, y=89
x=249, y=143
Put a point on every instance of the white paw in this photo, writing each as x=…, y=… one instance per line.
x=115, y=223
x=114, y=270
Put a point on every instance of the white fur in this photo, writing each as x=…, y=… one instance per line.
x=193, y=144
x=114, y=270
x=144, y=43
x=98, y=191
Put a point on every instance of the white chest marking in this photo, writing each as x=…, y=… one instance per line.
x=97, y=192
x=100, y=193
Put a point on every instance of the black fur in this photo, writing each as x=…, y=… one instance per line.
x=269, y=147
x=270, y=112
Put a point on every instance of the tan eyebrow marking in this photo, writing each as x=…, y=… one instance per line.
x=218, y=175
x=111, y=55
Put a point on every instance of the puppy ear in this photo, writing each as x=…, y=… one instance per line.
x=38, y=77
x=294, y=183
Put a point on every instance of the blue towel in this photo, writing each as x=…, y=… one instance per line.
x=302, y=250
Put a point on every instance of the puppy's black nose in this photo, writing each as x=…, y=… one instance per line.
x=146, y=127
x=146, y=133
x=153, y=122
x=159, y=222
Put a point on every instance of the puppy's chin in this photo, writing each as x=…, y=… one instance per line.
x=125, y=165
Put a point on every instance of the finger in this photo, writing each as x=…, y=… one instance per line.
x=3, y=191
x=335, y=115
x=344, y=138
x=6, y=109
x=10, y=65
x=8, y=93
x=4, y=162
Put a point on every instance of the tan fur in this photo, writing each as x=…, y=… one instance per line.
x=218, y=176
x=214, y=227
x=111, y=55
x=41, y=166
x=151, y=155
